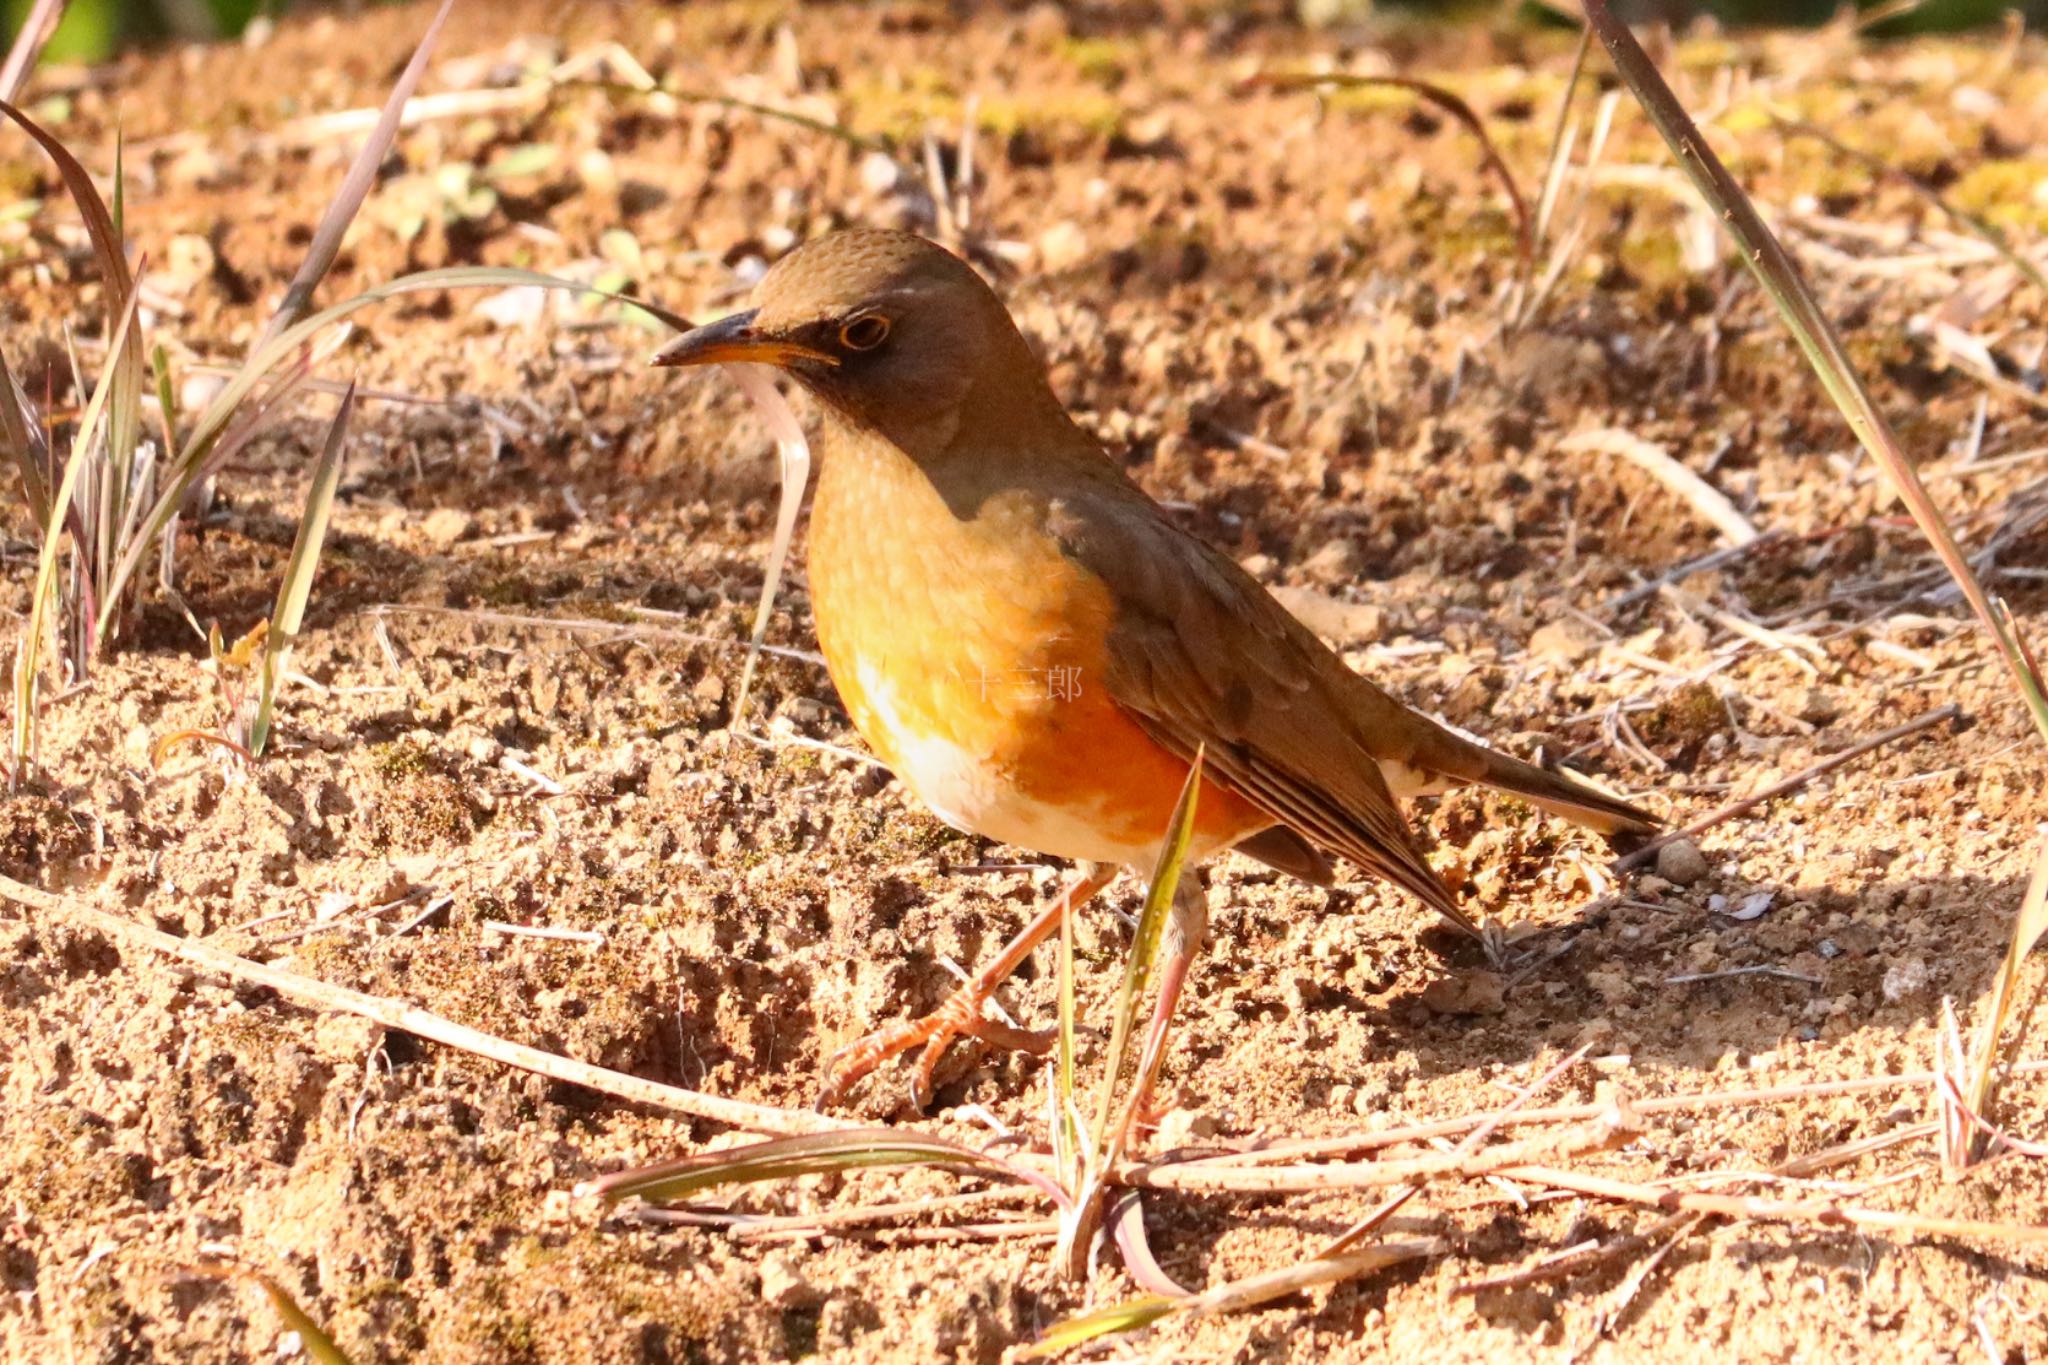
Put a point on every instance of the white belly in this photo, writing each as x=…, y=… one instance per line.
x=970, y=792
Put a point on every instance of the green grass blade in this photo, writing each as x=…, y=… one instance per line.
x=1066, y=1119
x=1128, y=1316
x=298, y=573
x=1173, y=854
x=1249, y=1292
x=318, y=1345
x=809, y=1154
x=166, y=398
x=1101, y=1143
x=124, y=358
x=27, y=663
x=1801, y=312
x=124, y=407
x=2028, y=929
x=348, y=200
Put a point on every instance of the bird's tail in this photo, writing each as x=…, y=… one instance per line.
x=1561, y=795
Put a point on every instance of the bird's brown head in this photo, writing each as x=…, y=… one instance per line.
x=890, y=331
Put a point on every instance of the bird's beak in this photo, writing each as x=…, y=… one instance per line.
x=733, y=339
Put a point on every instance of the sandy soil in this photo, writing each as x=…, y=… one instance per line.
x=1285, y=319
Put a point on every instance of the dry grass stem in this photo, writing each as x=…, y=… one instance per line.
x=1710, y=502
x=397, y=1015
x=863, y=1215
x=36, y=27
x=1525, y=237
x=1742, y=805
x=1816, y=1212
x=1308, y=1149
x=1574, y=1260
x=612, y=630
x=588, y=937
x=1035, y=1229
x=1212, y=1177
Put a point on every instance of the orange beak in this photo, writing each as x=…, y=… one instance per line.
x=733, y=340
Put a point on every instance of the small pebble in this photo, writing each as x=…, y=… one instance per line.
x=1563, y=642
x=1903, y=979
x=1753, y=906
x=1477, y=992
x=783, y=1284
x=445, y=525
x=1184, y=1127
x=879, y=172
x=1062, y=246
x=1681, y=863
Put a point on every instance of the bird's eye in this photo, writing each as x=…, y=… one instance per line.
x=864, y=333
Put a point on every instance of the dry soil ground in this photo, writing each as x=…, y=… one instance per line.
x=1285, y=318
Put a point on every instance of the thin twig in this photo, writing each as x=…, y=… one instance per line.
x=1793, y=783
x=1298, y=1149
x=1970, y=222
x=1795, y=648
x=1710, y=502
x=1525, y=239
x=747, y=1224
x=1371, y=1223
x=1783, y=973
x=1821, y=1212
x=1192, y=1175
x=393, y=1014
x=1586, y=1255
x=546, y=931
x=1037, y=1229
x=621, y=629
x=1713, y=559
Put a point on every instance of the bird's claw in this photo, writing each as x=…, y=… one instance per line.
x=1493, y=939
x=960, y=1016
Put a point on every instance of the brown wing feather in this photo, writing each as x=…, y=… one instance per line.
x=1201, y=655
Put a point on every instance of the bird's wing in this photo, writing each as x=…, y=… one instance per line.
x=1200, y=655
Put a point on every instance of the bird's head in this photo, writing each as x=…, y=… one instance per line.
x=890, y=331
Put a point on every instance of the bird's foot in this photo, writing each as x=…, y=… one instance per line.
x=961, y=1012
x=960, y=1016
x=1493, y=938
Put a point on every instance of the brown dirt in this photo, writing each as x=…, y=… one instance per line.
x=1194, y=263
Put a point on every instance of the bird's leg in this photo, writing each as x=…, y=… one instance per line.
x=1186, y=923
x=961, y=1011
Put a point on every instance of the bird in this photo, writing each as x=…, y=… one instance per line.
x=1039, y=651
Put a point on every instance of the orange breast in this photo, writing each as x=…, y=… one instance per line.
x=971, y=654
